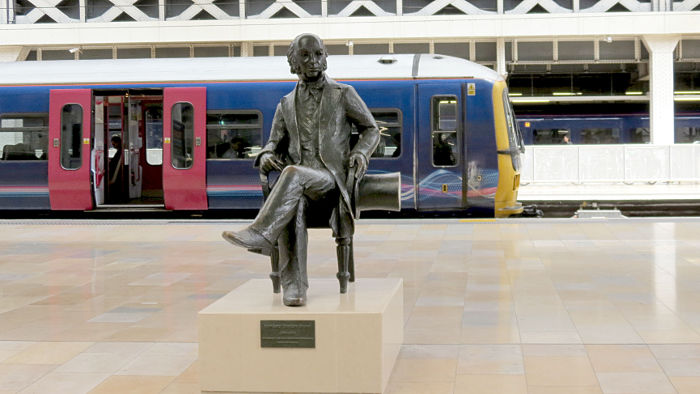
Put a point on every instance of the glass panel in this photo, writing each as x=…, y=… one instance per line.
x=57, y=54
x=412, y=48
x=169, y=52
x=71, y=136
x=154, y=135
x=96, y=54
x=229, y=119
x=24, y=137
x=370, y=49
x=685, y=135
x=211, y=51
x=550, y=136
x=515, y=138
x=182, y=136
x=444, y=133
x=389, y=123
x=535, y=51
x=133, y=53
x=445, y=149
x=457, y=49
x=234, y=135
x=445, y=113
x=600, y=136
x=639, y=135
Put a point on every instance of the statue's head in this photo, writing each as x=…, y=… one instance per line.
x=307, y=57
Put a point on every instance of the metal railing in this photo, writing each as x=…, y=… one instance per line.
x=41, y=11
x=588, y=164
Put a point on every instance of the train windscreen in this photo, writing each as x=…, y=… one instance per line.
x=515, y=137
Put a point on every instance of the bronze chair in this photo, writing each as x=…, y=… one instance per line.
x=372, y=192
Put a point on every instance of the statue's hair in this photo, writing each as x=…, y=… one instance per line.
x=294, y=46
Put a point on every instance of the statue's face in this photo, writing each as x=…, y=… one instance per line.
x=311, y=59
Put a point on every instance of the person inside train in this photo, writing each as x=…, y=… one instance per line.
x=442, y=151
x=566, y=140
x=237, y=149
x=116, y=164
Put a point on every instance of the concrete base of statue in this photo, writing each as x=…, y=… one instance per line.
x=345, y=343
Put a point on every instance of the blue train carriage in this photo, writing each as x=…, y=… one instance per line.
x=592, y=128
x=181, y=134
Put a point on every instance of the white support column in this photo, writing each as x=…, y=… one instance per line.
x=161, y=10
x=83, y=10
x=501, y=56
x=10, y=54
x=7, y=12
x=246, y=49
x=661, y=105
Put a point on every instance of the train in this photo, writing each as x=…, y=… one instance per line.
x=601, y=128
x=182, y=134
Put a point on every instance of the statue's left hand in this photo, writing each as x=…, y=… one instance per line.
x=358, y=162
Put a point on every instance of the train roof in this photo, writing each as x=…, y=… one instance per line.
x=342, y=67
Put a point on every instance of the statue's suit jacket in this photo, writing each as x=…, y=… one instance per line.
x=340, y=107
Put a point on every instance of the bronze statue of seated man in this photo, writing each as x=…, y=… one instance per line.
x=310, y=144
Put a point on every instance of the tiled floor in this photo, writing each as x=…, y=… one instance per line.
x=507, y=306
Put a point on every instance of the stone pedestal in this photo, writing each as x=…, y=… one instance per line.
x=355, y=343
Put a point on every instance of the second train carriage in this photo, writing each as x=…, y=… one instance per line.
x=189, y=129
x=586, y=128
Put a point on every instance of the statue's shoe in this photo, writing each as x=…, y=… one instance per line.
x=294, y=295
x=249, y=239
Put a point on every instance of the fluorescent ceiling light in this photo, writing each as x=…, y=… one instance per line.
x=529, y=100
x=693, y=98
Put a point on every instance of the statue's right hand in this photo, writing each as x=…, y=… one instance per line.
x=269, y=162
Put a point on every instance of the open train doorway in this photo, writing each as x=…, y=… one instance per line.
x=128, y=148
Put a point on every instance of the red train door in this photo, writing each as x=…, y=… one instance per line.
x=184, y=148
x=69, y=149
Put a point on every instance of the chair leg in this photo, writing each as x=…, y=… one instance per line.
x=275, y=274
x=343, y=250
x=351, y=263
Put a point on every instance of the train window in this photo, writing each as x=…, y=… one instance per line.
x=550, y=136
x=24, y=136
x=444, y=131
x=71, y=136
x=515, y=137
x=687, y=135
x=639, y=135
x=154, y=134
x=389, y=123
x=182, y=136
x=600, y=136
x=234, y=135
x=445, y=113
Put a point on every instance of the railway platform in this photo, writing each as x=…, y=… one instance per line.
x=490, y=306
x=633, y=199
